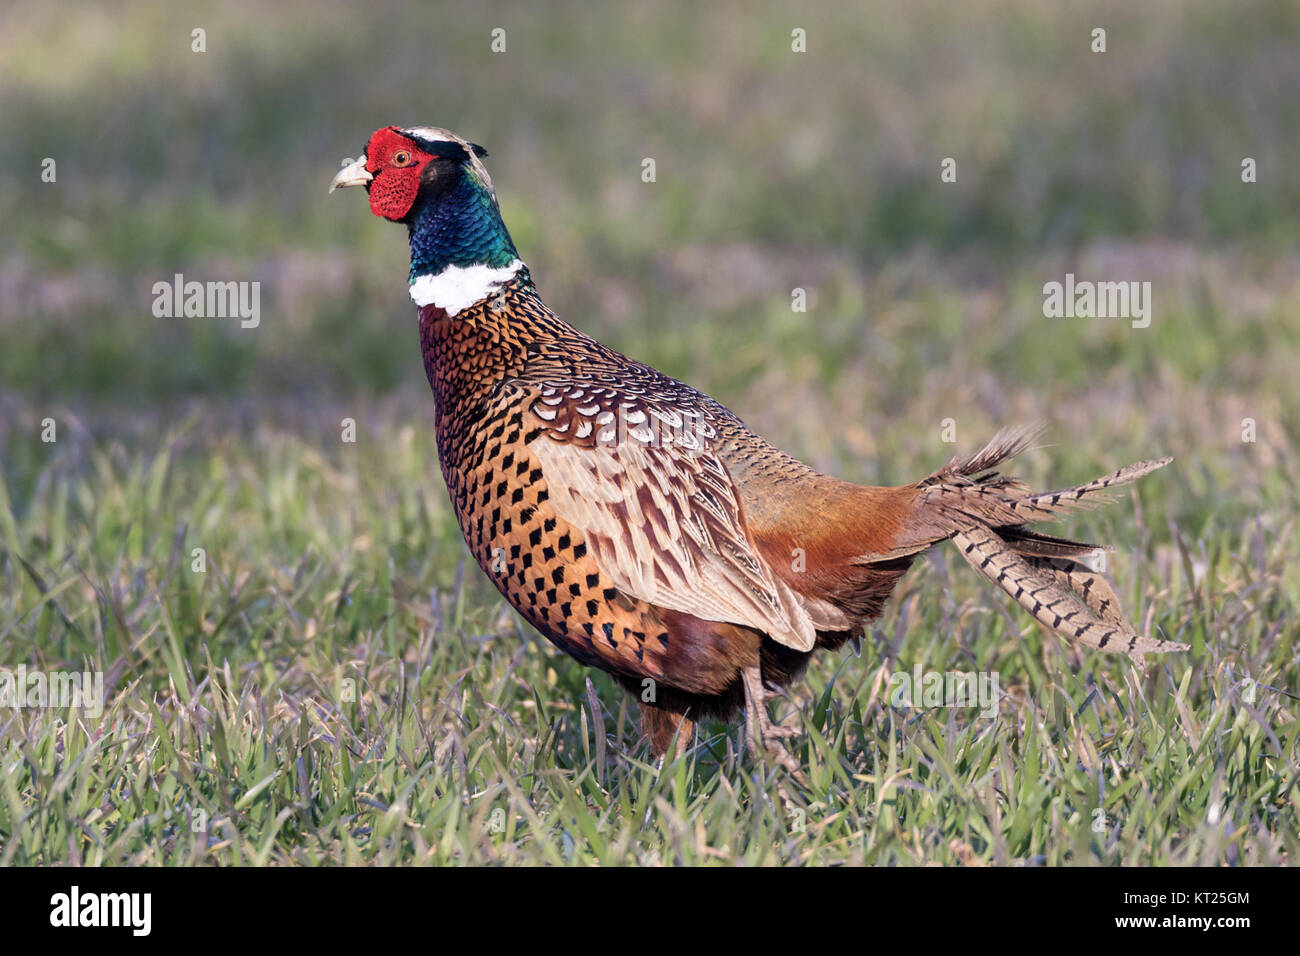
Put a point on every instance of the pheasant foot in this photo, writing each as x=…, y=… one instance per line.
x=764, y=734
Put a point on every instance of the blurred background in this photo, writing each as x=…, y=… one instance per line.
x=775, y=170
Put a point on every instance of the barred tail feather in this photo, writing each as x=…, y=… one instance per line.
x=1000, y=501
x=1064, y=596
x=986, y=513
x=1086, y=584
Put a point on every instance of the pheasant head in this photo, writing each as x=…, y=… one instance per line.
x=435, y=182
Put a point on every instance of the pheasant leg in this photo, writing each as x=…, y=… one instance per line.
x=765, y=735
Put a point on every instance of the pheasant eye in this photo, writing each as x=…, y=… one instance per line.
x=401, y=157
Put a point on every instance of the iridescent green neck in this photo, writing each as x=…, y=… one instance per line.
x=458, y=226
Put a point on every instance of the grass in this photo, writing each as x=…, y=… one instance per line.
x=340, y=683
x=338, y=686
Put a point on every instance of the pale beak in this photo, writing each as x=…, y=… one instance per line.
x=354, y=175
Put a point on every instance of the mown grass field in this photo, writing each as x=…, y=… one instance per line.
x=340, y=683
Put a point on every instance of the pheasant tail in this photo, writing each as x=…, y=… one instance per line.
x=1043, y=574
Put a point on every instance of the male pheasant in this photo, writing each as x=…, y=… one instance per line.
x=638, y=524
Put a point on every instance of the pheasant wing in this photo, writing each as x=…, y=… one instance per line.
x=634, y=470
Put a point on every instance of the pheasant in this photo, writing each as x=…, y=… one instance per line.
x=640, y=525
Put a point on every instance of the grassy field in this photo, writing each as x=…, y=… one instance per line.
x=340, y=684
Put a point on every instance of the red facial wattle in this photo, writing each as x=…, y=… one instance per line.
x=396, y=162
